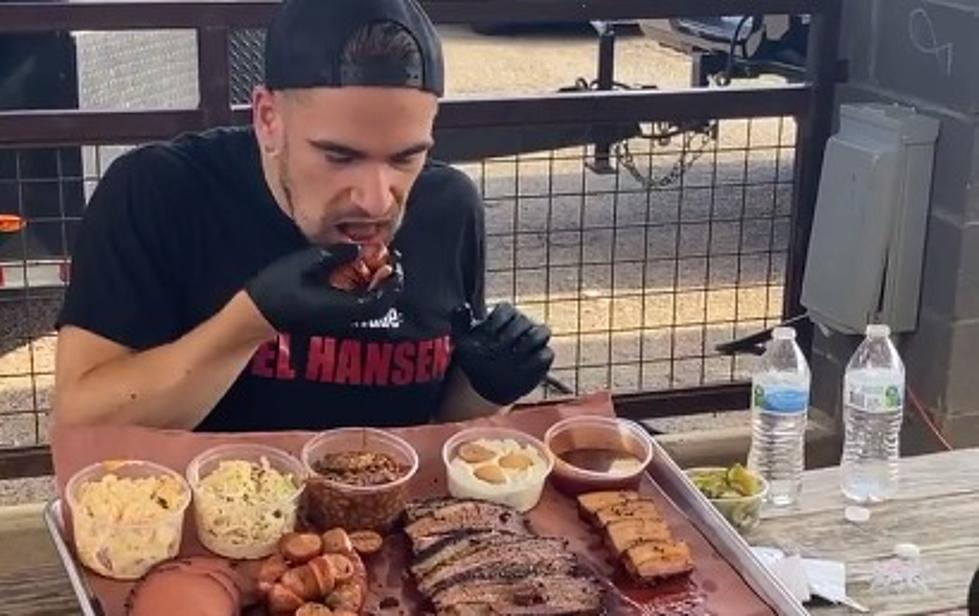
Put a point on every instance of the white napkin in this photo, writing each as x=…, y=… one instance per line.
x=793, y=573
x=804, y=577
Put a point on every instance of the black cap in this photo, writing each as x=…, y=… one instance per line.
x=304, y=46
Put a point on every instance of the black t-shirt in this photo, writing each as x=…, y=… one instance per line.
x=174, y=230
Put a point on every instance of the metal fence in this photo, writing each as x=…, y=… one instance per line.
x=640, y=269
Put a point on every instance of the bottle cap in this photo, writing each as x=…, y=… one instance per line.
x=907, y=551
x=856, y=514
x=783, y=333
x=878, y=330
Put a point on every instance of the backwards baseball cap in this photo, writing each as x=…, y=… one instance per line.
x=306, y=41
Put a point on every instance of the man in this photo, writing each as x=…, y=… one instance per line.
x=200, y=293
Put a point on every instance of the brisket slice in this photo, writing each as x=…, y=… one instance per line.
x=424, y=546
x=540, y=555
x=449, y=547
x=486, y=609
x=420, y=508
x=465, y=515
x=541, y=594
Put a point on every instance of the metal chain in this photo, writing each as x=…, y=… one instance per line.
x=689, y=155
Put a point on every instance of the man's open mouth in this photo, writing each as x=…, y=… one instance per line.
x=362, y=232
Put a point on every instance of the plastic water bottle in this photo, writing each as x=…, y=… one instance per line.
x=780, y=405
x=873, y=408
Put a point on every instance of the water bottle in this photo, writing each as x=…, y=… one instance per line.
x=779, y=407
x=873, y=408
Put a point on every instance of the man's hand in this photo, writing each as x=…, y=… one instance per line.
x=294, y=294
x=505, y=356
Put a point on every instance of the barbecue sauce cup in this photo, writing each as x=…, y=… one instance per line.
x=593, y=453
x=357, y=479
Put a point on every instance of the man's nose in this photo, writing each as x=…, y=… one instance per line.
x=372, y=191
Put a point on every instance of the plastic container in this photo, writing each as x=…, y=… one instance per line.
x=245, y=520
x=597, y=453
x=118, y=528
x=873, y=410
x=779, y=411
x=331, y=504
x=515, y=486
x=742, y=512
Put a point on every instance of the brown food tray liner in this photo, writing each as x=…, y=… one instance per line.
x=714, y=587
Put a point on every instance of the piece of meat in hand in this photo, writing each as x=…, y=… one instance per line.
x=370, y=269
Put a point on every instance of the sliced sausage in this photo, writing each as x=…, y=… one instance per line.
x=298, y=548
x=366, y=541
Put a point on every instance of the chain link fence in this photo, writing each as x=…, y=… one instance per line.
x=639, y=272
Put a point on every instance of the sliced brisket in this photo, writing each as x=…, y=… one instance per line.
x=449, y=547
x=465, y=515
x=507, y=560
x=541, y=594
x=475, y=558
x=484, y=609
x=421, y=508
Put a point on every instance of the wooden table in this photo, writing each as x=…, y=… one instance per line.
x=937, y=509
x=32, y=580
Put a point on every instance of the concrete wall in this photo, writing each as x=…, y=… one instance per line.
x=925, y=53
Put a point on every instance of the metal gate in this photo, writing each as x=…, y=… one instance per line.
x=641, y=267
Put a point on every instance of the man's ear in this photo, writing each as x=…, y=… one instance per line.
x=267, y=119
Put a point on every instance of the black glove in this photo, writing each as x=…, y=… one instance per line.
x=504, y=356
x=294, y=294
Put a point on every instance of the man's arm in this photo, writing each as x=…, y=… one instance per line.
x=461, y=402
x=124, y=352
x=174, y=385
x=177, y=383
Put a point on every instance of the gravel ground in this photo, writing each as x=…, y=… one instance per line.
x=637, y=286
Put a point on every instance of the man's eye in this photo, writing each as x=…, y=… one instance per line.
x=406, y=161
x=339, y=160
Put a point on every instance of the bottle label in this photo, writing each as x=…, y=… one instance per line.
x=875, y=398
x=782, y=400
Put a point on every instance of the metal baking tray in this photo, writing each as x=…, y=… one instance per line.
x=663, y=470
x=87, y=601
x=725, y=539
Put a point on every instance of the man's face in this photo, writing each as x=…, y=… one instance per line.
x=342, y=161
